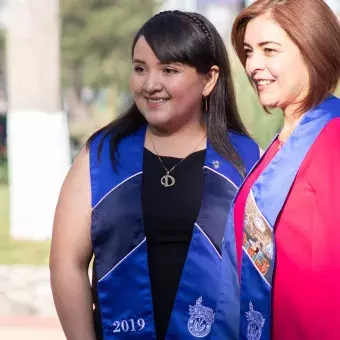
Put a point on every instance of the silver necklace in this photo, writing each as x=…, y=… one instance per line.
x=167, y=180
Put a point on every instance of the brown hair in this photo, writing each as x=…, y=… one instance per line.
x=314, y=28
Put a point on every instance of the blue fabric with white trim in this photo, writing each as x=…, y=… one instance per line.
x=119, y=245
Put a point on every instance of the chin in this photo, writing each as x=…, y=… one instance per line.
x=157, y=121
x=269, y=103
x=270, y=106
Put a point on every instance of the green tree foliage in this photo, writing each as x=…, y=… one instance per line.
x=2, y=39
x=96, y=40
x=2, y=53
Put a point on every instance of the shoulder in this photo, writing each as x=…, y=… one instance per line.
x=80, y=164
x=246, y=147
x=101, y=141
x=76, y=184
x=324, y=155
x=331, y=104
x=98, y=140
x=325, y=152
x=327, y=143
x=329, y=137
x=332, y=129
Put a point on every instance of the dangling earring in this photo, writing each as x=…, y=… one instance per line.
x=206, y=103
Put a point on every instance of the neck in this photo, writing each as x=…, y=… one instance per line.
x=171, y=131
x=176, y=142
x=292, y=112
x=291, y=120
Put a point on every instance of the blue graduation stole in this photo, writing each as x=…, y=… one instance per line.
x=120, y=246
x=244, y=309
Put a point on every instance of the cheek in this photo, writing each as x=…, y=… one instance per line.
x=189, y=96
x=247, y=68
x=293, y=77
x=287, y=69
x=184, y=90
x=276, y=68
x=299, y=73
x=136, y=84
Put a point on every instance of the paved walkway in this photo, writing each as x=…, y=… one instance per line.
x=30, y=328
x=29, y=334
x=25, y=291
x=26, y=305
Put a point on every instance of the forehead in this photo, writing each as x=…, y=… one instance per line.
x=264, y=28
x=143, y=51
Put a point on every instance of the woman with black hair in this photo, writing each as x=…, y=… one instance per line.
x=149, y=195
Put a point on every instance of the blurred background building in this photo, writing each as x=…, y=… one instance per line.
x=64, y=70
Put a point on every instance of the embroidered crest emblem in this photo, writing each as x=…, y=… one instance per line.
x=255, y=323
x=216, y=164
x=201, y=319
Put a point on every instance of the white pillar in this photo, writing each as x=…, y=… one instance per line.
x=334, y=5
x=38, y=142
x=182, y=5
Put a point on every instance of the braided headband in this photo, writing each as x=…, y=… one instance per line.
x=196, y=21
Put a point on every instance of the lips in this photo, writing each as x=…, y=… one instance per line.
x=263, y=83
x=153, y=103
x=156, y=101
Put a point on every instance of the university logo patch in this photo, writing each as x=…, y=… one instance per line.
x=255, y=323
x=201, y=319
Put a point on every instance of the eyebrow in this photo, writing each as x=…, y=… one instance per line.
x=262, y=43
x=138, y=61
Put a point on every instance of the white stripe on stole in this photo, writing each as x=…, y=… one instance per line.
x=114, y=188
x=123, y=259
x=206, y=236
x=226, y=178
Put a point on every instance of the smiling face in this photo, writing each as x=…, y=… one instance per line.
x=274, y=64
x=167, y=95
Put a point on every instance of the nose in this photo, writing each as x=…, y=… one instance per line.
x=256, y=62
x=152, y=83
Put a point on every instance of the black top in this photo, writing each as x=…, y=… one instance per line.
x=169, y=217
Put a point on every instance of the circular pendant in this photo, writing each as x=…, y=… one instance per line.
x=167, y=181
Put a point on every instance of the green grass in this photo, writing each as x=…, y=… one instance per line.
x=18, y=252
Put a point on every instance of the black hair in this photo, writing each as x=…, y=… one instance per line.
x=191, y=39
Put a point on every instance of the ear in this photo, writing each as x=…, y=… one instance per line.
x=211, y=80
